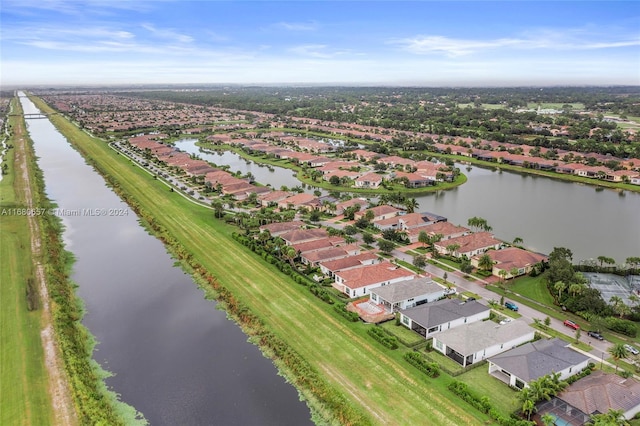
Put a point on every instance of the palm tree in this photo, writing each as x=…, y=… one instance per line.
x=548, y=419
x=503, y=275
x=576, y=288
x=560, y=286
x=610, y=418
x=618, y=306
x=618, y=352
x=485, y=262
x=517, y=241
x=411, y=204
x=528, y=401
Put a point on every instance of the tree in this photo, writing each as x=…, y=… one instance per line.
x=218, y=208
x=451, y=248
x=334, y=180
x=419, y=261
x=559, y=286
x=548, y=419
x=369, y=215
x=618, y=352
x=289, y=253
x=610, y=418
x=618, y=306
x=423, y=238
x=411, y=204
x=385, y=246
x=578, y=334
x=547, y=321
x=315, y=216
x=367, y=238
x=576, y=288
x=485, y=262
x=479, y=223
x=527, y=399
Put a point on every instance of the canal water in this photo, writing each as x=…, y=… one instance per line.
x=277, y=178
x=174, y=356
x=545, y=213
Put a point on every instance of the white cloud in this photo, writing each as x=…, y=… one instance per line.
x=453, y=47
x=296, y=26
x=167, y=33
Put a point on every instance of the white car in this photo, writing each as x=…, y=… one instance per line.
x=631, y=349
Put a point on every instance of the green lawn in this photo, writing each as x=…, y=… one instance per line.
x=402, y=333
x=23, y=375
x=481, y=383
x=373, y=380
x=534, y=288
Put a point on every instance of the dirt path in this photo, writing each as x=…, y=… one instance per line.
x=63, y=407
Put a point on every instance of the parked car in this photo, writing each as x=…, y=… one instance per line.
x=511, y=305
x=595, y=335
x=631, y=349
x=470, y=299
x=571, y=324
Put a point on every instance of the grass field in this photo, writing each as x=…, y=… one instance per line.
x=502, y=396
x=23, y=376
x=383, y=386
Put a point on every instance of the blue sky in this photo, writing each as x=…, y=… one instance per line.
x=428, y=43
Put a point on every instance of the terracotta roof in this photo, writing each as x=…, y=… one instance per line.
x=514, y=257
x=373, y=274
x=349, y=262
x=444, y=228
x=282, y=227
x=318, y=244
x=467, y=243
x=301, y=235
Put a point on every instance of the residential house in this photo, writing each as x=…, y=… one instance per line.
x=380, y=212
x=329, y=268
x=446, y=229
x=408, y=221
x=468, y=245
x=318, y=244
x=359, y=281
x=314, y=257
x=278, y=228
x=480, y=340
x=407, y=294
x=596, y=393
x=518, y=366
x=296, y=201
x=510, y=260
x=341, y=207
x=303, y=235
x=369, y=180
x=442, y=315
x=273, y=197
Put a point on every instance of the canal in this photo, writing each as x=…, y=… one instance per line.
x=173, y=355
x=545, y=212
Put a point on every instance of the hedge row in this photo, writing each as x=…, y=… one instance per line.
x=483, y=404
x=351, y=316
x=431, y=369
x=382, y=337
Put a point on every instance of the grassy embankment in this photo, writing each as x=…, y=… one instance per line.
x=346, y=376
x=80, y=390
x=23, y=375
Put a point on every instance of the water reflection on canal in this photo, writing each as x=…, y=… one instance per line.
x=175, y=357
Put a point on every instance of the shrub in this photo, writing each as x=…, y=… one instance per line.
x=351, y=316
x=431, y=369
x=383, y=338
x=623, y=326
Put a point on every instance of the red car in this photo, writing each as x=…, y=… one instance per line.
x=571, y=324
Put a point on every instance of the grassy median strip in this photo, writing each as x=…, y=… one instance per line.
x=376, y=385
x=23, y=375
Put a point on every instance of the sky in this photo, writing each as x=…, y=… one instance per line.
x=415, y=43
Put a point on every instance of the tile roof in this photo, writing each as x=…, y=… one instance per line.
x=403, y=290
x=281, y=227
x=536, y=359
x=483, y=334
x=514, y=257
x=467, y=243
x=443, y=311
x=600, y=391
x=373, y=274
x=301, y=235
x=349, y=262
